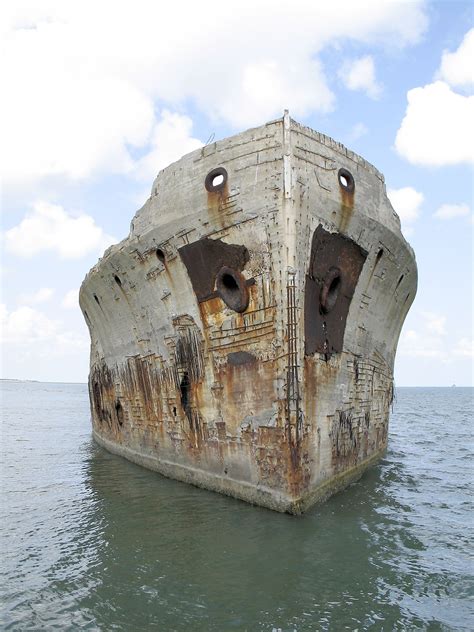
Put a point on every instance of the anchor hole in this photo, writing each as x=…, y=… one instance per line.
x=330, y=290
x=229, y=282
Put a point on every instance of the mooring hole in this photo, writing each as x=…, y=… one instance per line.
x=216, y=180
x=346, y=180
x=379, y=256
x=117, y=280
x=160, y=255
x=399, y=281
x=96, y=299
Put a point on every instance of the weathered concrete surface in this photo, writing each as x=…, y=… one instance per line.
x=244, y=334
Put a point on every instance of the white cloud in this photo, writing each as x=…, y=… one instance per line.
x=359, y=74
x=357, y=132
x=427, y=340
x=49, y=227
x=26, y=325
x=80, y=112
x=41, y=296
x=73, y=127
x=265, y=88
x=434, y=323
x=449, y=211
x=438, y=127
x=457, y=68
x=416, y=344
x=430, y=340
x=464, y=347
x=171, y=139
x=406, y=202
x=30, y=341
x=71, y=299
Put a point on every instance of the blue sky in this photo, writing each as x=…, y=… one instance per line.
x=101, y=96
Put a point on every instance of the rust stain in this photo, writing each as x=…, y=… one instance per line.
x=347, y=195
x=216, y=200
x=344, y=435
x=214, y=314
x=346, y=216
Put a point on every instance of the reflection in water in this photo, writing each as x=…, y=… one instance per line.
x=173, y=550
x=104, y=544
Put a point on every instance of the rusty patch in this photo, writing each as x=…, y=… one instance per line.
x=345, y=439
x=203, y=260
x=221, y=430
x=108, y=413
x=334, y=269
x=237, y=358
x=188, y=355
x=100, y=386
x=188, y=372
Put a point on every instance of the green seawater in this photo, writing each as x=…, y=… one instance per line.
x=93, y=542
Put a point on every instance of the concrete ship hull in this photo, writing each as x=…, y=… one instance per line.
x=243, y=336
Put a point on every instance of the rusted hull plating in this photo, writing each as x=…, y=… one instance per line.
x=244, y=334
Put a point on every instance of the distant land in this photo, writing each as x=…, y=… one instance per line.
x=13, y=379
x=7, y=379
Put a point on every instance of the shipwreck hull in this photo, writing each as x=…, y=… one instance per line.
x=243, y=336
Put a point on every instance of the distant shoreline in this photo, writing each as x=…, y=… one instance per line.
x=16, y=380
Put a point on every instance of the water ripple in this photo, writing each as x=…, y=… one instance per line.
x=93, y=542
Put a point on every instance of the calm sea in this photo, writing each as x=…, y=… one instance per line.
x=93, y=542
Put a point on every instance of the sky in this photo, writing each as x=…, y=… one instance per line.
x=99, y=96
